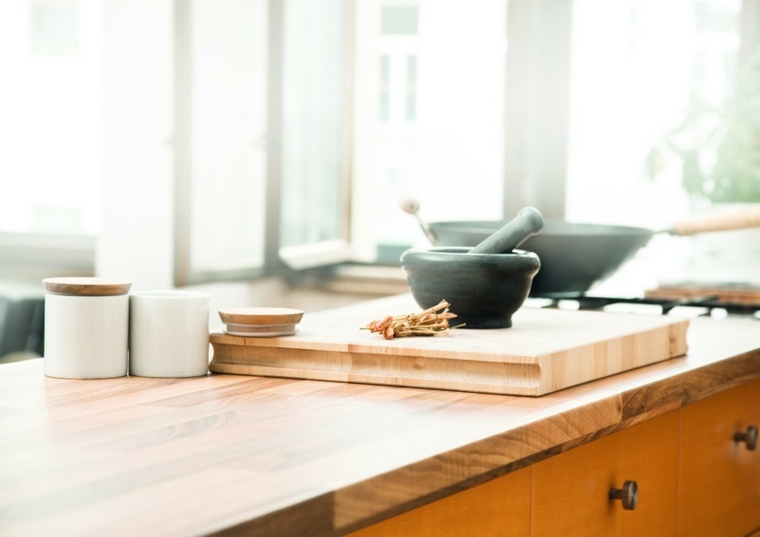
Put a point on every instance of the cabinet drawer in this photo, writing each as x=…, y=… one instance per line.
x=500, y=507
x=571, y=491
x=720, y=491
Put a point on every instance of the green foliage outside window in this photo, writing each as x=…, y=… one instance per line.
x=720, y=148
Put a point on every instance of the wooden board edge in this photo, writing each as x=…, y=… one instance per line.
x=390, y=370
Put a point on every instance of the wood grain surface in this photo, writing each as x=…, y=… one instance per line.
x=85, y=286
x=740, y=219
x=261, y=316
x=544, y=351
x=242, y=455
x=739, y=294
x=711, y=461
x=499, y=507
x=646, y=453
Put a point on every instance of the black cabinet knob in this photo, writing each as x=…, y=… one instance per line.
x=749, y=437
x=629, y=495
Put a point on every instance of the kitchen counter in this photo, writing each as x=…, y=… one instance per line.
x=230, y=454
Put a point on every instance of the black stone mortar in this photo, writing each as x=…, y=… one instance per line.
x=483, y=289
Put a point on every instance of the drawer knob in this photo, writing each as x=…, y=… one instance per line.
x=749, y=438
x=629, y=495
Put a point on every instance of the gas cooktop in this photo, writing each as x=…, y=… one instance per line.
x=687, y=299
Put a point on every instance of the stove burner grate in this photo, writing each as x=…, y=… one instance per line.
x=711, y=304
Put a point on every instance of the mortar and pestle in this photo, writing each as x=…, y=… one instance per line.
x=484, y=285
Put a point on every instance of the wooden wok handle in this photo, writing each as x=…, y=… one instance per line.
x=722, y=222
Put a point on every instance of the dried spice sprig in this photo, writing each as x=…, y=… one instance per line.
x=431, y=322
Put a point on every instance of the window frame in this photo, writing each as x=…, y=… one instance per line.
x=277, y=259
x=535, y=147
x=536, y=114
x=537, y=104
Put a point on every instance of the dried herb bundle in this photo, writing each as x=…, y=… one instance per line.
x=431, y=322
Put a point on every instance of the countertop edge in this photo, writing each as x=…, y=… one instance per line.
x=538, y=442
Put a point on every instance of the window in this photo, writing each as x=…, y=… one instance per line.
x=51, y=136
x=399, y=19
x=428, y=117
x=221, y=92
x=51, y=105
x=284, y=134
x=391, y=100
x=262, y=94
x=657, y=64
x=314, y=140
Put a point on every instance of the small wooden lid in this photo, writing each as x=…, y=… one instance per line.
x=85, y=286
x=261, y=316
x=261, y=330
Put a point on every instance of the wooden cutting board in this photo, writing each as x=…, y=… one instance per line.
x=544, y=351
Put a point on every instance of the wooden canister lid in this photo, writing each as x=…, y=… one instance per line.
x=261, y=316
x=86, y=286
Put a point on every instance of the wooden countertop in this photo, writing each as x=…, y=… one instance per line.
x=228, y=454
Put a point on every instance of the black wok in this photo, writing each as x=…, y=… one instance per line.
x=574, y=256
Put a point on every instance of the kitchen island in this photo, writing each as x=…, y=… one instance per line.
x=243, y=455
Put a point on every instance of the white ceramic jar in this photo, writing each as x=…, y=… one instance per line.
x=169, y=333
x=86, y=327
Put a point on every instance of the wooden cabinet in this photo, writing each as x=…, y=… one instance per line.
x=720, y=491
x=571, y=491
x=693, y=479
x=499, y=507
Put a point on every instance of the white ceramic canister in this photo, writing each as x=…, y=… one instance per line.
x=169, y=333
x=86, y=327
